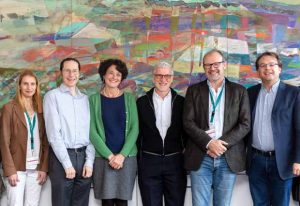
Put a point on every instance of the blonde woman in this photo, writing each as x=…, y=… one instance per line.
x=23, y=143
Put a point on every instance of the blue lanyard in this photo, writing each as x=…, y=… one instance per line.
x=31, y=128
x=214, y=103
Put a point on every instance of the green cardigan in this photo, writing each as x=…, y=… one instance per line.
x=97, y=133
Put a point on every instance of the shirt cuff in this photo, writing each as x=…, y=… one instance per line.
x=89, y=163
x=208, y=144
x=67, y=164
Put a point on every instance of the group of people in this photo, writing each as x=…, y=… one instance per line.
x=218, y=130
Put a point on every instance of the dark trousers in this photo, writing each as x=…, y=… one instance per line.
x=69, y=192
x=296, y=189
x=114, y=202
x=266, y=186
x=160, y=176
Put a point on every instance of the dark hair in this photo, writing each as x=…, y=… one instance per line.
x=120, y=67
x=67, y=60
x=213, y=51
x=272, y=54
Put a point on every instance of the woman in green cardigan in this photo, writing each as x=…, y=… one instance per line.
x=113, y=132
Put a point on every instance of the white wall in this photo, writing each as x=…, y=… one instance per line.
x=241, y=195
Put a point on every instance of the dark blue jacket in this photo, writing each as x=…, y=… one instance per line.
x=285, y=125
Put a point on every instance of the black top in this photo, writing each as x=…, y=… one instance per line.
x=149, y=137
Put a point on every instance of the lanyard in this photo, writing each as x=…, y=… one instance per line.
x=214, y=103
x=31, y=128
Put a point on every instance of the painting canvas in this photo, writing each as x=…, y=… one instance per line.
x=38, y=34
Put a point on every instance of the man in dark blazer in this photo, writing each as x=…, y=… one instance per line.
x=161, y=174
x=273, y=150
x=216, y=117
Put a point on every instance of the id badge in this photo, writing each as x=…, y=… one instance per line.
x=32, y=161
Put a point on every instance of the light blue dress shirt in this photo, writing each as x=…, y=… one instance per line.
x=218, y=122
x=262, y=128
x=67, y=120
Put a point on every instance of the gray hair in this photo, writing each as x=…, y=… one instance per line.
x=163, y=65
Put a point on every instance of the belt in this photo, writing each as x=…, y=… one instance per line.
x=263, y=153
x=77, y=150
x=161, y=155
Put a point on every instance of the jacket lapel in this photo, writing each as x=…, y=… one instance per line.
x=149, y=96
x=253, y=101
x=280, y=91
x=228, y=99
x=20, y=114
x=204, y=97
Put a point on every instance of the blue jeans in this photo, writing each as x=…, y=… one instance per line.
x=266, y=186
x=213, y=174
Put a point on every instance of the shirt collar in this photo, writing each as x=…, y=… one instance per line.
x=155, y=95
x=65, y=89
x=209, y=85
x=273, y=89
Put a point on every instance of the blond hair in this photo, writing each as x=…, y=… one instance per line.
x=36, y=99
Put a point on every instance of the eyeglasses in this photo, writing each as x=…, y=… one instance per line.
x=161, y=76
x=271, y=65
x=214, y=65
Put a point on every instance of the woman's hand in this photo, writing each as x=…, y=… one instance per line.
x=117, y=161
x=13, y=179
x=42, y=177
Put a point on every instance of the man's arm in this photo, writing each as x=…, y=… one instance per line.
x=53, y=129
x=89, y=161
x=197, y=135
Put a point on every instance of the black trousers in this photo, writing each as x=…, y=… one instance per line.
x=69, y=192
x=161, y=176
x=296, y=189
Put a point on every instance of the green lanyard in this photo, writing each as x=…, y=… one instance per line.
x=214, y=103
x=31, y=128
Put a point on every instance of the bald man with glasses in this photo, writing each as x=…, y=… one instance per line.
x=216, y=118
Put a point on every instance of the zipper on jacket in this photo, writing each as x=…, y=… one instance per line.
x=172, y=103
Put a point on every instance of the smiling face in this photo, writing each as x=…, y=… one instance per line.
x=268, y=70
x=214, y=67
x=28, y=86
x=70, y=74
x=112, y=77
x=162, y=79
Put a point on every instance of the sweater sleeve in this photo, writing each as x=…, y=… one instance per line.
x=132, y=126
x=97, y=134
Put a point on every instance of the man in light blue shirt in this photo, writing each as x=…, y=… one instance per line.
x=273, y=153
x=67, y=119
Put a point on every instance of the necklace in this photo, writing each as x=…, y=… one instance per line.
x=110, y=94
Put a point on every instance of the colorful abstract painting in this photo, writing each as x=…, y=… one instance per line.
x=38, y=34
